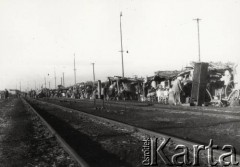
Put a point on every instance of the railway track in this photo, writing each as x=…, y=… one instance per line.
x=197, y=126
x=216, y=112
x=61, y=141
x=82, y=143
x=157, y=105
x=142, y=131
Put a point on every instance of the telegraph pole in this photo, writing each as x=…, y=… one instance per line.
x=93, y=73
x=63, y=79
x=45, y=82
x=55, y=78
x=199, y=57
x=74, y=71
x=121, y=43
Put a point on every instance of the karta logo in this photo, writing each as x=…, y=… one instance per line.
x=152, y=151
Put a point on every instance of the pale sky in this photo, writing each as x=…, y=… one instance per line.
x=37, y=36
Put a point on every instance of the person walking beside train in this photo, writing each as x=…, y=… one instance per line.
x=177, y=88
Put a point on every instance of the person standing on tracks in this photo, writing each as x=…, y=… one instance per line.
x=177, y=88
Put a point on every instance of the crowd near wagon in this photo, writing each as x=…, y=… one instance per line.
x=5, y=94
x=210, y=83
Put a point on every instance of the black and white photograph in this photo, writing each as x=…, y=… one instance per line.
x=119, y=83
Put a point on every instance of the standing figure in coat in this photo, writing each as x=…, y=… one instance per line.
x=177, y=88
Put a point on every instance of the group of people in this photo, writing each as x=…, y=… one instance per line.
x=175, y=92
x=4, y=94
x=231, y=81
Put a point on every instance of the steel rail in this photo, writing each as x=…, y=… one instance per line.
x=208, y=112
x=62, y=142
x=147, y=132
x=139, y=104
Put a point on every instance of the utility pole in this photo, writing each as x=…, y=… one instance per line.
x=63, y=79
x=55, y=78
x=74, y=71
x=45, y=82
x=199, y=57
x=35, y=85
x=20, y=86
x=93, y=74
x=49, y=84
x=121, y=43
